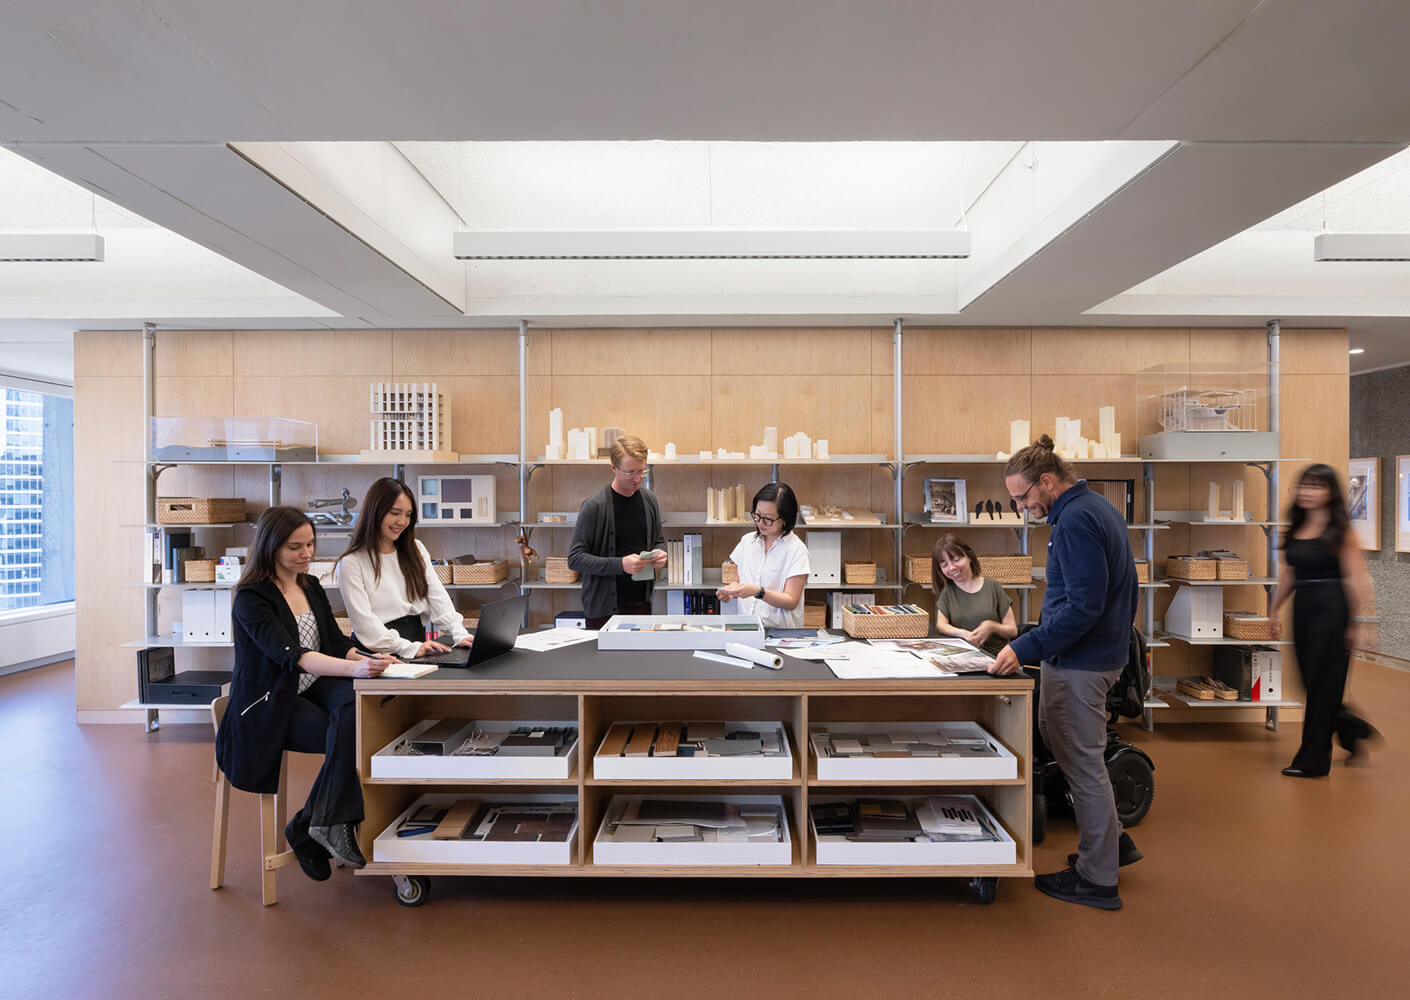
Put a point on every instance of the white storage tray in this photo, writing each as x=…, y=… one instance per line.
x=425, y=849
x=607, y=852
x=609, y=637
x=834, y=850
x=1005, y=765
x=699, y=768
x=386, y=763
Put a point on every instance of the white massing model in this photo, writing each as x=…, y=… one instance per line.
x=409, y=417
x=1187, y=409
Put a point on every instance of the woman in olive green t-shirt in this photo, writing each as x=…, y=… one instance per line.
x=967, y=605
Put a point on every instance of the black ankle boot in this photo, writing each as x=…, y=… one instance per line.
x=312, y=858
x=340, y=841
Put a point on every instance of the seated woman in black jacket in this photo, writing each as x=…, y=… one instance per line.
x=292, y=690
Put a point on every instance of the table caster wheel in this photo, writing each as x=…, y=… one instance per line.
x=411, y=890
x=985, y=889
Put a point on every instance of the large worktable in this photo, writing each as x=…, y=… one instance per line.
x=598, y=688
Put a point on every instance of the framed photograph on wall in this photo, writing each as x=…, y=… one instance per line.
x=1402, y=503
x=945, y=501
x=1363, y=500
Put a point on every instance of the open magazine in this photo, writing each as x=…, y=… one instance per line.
x=949, y=655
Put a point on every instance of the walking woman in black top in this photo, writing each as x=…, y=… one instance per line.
x=1325, y=573
x=292, y=689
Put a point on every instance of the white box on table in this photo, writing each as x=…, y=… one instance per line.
x=838, y=850
x=617, y=635
x=425, y=849
x=1005, y=765
x=699, y=768
x=607, y=852
x=386, y=763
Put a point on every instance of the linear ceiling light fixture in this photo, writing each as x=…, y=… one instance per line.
x=50, y=247
x=709, y=244
x=1361, y=246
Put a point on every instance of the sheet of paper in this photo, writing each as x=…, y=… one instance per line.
x=834, y=651
x=878, y=663
x=553, y=638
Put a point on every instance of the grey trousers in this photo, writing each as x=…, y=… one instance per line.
x=1072, y=719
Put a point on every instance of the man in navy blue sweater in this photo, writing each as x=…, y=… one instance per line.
x=1082, y=643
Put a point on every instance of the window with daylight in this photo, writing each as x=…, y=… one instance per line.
x=36, y=500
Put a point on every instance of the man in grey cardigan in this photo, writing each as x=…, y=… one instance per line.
x=614, y=527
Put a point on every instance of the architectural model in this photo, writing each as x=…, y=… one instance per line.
x=728, y=505
x=411, y=422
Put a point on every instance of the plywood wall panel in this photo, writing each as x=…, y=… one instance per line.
x=107, y=354
x=338, y=404
x=305, y=353
x=657, y=409
x=430, y=355
x=966, y=414
x=198, y=353
x=627, y=355
x=1314, y=352
x=743, y=351
x=1088, y=351
x=961, y=351
x=836, y=407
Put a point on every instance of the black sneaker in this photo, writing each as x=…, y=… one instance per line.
x=1128, y=853
x=312, y=858
x=340, y=841
x=1071, y=887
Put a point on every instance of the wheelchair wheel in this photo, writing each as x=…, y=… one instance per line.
x=1133, y=784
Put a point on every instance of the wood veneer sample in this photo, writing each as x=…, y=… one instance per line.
x=452, y=827
x=616, y=740
x=667, y=739
x=640, y=743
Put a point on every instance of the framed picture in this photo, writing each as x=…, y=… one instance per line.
x=1402, y=503
x=1363, y=500
x=945, y=501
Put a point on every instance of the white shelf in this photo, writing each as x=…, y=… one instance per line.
x=991, y=460
x=194, y=706
x=174, y=642
x=1188, y=640
x=179, y=586
x=1040, y=573
x=184, y=527
x=1252, y=581
x=336, y=459
x=1166, y=687
x=924, y=521
x=696, y=460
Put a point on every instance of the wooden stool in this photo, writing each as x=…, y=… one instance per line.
x=272, y=809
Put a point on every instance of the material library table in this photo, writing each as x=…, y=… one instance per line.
x=598, y=688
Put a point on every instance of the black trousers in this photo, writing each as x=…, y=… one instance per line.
x=1320, y=620
x=324, y=722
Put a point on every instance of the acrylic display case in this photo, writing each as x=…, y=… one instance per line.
x=233, y=439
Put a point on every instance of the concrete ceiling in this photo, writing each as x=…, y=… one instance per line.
x=1265, y=104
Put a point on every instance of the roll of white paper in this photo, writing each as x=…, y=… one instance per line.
x=761, y=657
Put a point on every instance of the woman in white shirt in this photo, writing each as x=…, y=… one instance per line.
x=772, y=561
x=388, y=585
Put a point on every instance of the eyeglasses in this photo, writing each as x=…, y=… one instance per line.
x=641, y=473
x=762, y=521
x=1023, y=497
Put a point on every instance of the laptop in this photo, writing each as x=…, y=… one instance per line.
x=499, y=627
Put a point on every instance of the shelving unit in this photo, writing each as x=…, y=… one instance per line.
x=599, y=690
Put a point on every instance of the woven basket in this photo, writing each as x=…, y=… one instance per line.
x=200, y=510
x=815, y=616
x=345, y=624
x=1190, y=568
x=918, y=568
x=1231, y=569
x=859, y=572
x=555, y=570
x=199, y=570
x=444, y=572
x=1143, y=572
x=1247, y=625
x=885, y=626
x=729, y=572
x=481, y=574
x=1007, y=567
x=471, y=624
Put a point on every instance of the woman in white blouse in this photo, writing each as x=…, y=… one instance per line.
x=772, y=561
x=388, y=586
